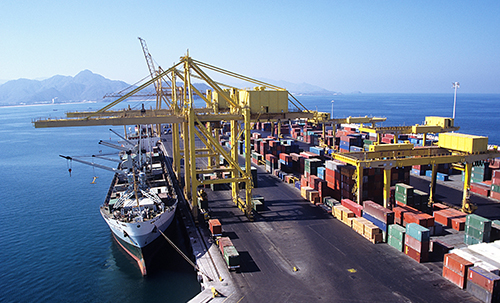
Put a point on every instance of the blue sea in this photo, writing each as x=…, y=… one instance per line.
x=55, y=247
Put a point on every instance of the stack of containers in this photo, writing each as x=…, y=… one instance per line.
x=321, y=172
x=353, y=206
x=421, y=200
x=378, y=215
x=396, y=236
x=455, y=269
x=285, y=163
x=231, y=255
x=480, y=173
x=482, y=188
x=367, y=229
x=346, y=181
x=417, y=242
x=495, y=184
x=483, y=284
x=311, y=166
x=404, y=194
x=330, y=202
x=450, y=217
x=271, y=163
x=477, y=229
x=318, y=150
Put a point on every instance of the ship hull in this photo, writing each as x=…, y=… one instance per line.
x=141, y=240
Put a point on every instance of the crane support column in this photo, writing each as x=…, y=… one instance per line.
x=192, y=163
x=359, y=181
x=432, y=191
x=176, y=149
x=387, y=186
x=248, y=164
x=467, y=206
x=210, y=159
x=187, y=169
x=234, y=156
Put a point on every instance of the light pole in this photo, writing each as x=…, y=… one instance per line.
x=331, y=115
x=456, y=85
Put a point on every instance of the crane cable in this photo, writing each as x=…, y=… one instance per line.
x=184, y=256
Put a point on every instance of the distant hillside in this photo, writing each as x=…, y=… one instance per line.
x=302, y=88
x=84, y=86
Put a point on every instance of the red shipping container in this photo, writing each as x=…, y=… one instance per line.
x=457, y=264
x=439, y=206
x=454, y=277
x=494, y=195
x=421, y=247
x=495, y=174
x=480, y=189
x=445, y=216
x=487, y=280
x=495, y=181
x=398, y=214
x=353, y=206
x=458, y=223
x=215, y=227
x=409, y=217
x=415, y=255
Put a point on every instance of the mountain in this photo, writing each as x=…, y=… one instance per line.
x=84, y=86
x=301, y=88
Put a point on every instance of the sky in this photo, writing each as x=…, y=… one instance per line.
x=344, y=46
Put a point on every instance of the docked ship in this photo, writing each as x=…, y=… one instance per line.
x=141, y=201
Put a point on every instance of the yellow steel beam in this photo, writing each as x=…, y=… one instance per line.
x=107, y=121
x=223, y=181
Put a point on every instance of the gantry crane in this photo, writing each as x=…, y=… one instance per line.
x=266, y=102
x=387, y=156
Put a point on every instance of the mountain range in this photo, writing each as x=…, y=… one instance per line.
x=89, y=86
x=84, y=86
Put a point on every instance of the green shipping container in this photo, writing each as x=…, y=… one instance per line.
x=481, y=236
x=404, y=189
x=495, y=188
x=418, y=232
x=392, y=241
x=404, y=199
x=478, y=222
x=397, y=231
x=470, y=240
x=231, y=256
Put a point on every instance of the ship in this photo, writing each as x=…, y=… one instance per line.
x=141, y=201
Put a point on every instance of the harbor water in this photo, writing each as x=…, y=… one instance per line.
x=57, y=248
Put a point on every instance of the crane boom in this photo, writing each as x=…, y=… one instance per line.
x=94, y=164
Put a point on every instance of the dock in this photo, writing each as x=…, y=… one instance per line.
x=294, y=251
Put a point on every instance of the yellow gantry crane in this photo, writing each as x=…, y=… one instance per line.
x=239, y=107
x=451, y=148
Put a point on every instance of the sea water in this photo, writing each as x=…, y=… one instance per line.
x=55, y=247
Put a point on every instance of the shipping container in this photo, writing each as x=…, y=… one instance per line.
x=418, y=232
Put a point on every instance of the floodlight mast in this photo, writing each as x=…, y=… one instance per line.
x=456, y=85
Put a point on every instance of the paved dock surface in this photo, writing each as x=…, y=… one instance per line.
x=295, y=252
x=334, y=263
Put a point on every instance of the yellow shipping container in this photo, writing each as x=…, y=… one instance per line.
x=463, y=142
x=304, y=191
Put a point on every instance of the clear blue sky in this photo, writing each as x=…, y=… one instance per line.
x=367, y=46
